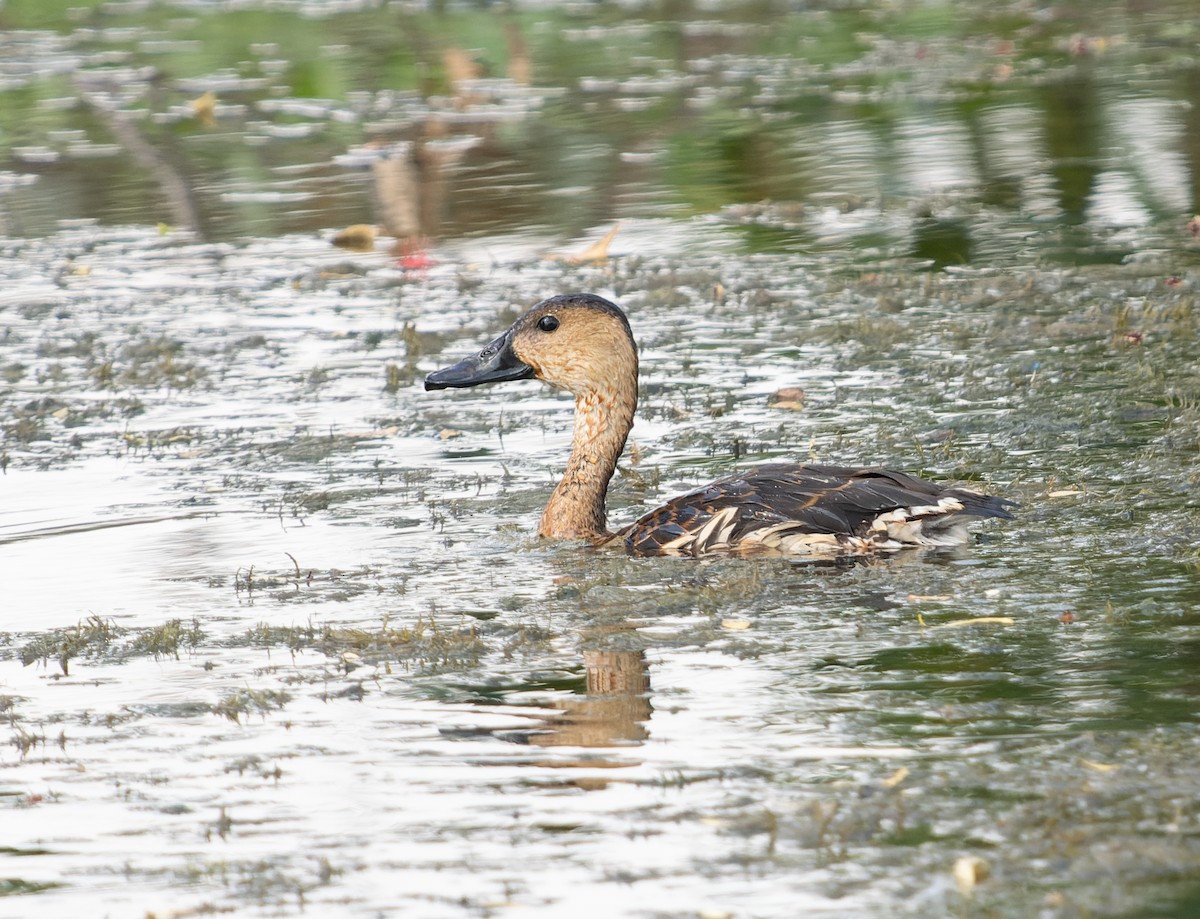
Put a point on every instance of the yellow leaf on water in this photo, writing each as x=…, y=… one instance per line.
x=979, y=620
x=1064, y=493
x=896, y=777
x=969, y=871
x=204, y=108
x=735, y=624
x=1100, y=767
x=596, y=252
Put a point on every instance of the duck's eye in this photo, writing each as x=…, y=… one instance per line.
x=548, y=323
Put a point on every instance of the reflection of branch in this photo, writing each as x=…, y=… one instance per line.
x=178, y=195
x=520, y=63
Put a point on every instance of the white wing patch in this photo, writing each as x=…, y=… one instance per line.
x=921, y=525
x=712, y=537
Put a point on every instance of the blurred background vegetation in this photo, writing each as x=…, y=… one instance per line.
x=951, y=131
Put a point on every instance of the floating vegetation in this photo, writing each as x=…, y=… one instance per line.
x=92, y=637
x=241, y=703
x=99, y=639
x=166, y=640
x=426, y=645
x=10, y=887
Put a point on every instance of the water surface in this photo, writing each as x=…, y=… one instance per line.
x=276, y=636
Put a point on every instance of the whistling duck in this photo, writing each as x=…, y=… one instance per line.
x=583, y=343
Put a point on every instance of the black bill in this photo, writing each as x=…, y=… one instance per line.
x=494, y=364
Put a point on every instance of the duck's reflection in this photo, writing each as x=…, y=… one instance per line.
x=613, y=712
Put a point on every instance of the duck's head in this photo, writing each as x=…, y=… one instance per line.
x=578, y=342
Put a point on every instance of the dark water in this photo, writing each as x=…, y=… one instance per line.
x=938, y=131
x=276, y=636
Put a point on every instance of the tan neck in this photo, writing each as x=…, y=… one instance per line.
x=576, y=508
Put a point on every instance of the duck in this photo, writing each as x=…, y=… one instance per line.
x=583, y=343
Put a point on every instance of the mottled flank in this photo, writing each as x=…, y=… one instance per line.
x=810, y=510
x=583, y=344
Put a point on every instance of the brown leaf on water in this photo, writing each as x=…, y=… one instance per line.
x=789, y=398
x=360, y=237
x=204, y=108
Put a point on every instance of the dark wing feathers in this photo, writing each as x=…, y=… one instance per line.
x=835, y=500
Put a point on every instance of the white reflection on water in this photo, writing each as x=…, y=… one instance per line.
x=1013, y=149
x=374, y=792
x=62, y=564
x=1150, y=131
x=933, y=155
x=1115, y=202
x=844, y=156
